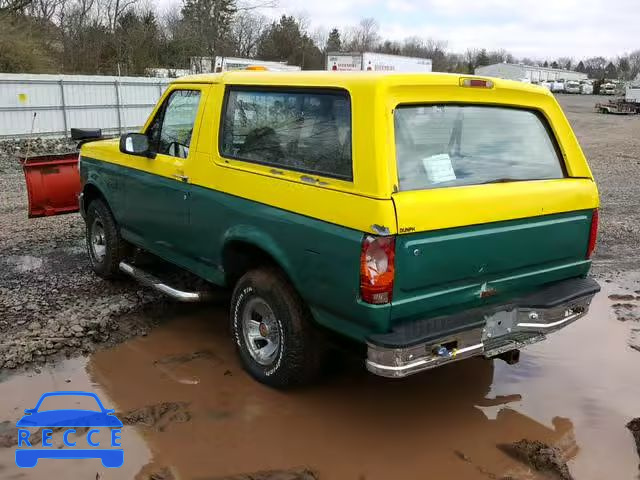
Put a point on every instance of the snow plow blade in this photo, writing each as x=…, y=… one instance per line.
x=53, y=184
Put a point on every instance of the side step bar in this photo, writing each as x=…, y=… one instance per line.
x=149, y=280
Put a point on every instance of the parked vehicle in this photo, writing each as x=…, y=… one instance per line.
x=608, y=89
x=558, y=86
x=376, y=62
x=572, y=86
x=627, y=105
x=470, y=233
x=586, y=88
x=618, y=107
x=632, y=93
x=547, y=85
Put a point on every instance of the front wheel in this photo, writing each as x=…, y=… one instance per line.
x=105, y=247
x=273, y=330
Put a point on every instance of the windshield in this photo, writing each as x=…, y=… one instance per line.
x=453, y=145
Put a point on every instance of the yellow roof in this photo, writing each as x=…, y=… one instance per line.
x=323, y=78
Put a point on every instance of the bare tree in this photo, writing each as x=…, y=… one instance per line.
x=634, y=65
x=45, y=10
x=114, y=9
x=565, y=62
x=246, y=32
x=320, y=35
x=13, y=6
x=364, y=36
x=75, y=15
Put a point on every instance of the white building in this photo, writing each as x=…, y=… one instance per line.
x=528, y=73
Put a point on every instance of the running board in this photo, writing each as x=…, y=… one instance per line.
x=145, y=278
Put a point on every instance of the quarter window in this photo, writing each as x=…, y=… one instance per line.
x=303, y=130
x=171, y=129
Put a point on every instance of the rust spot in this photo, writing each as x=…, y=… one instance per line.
x=489, y=292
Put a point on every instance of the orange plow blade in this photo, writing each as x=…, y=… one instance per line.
x=53, y=184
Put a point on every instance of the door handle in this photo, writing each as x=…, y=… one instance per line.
x=182, y=178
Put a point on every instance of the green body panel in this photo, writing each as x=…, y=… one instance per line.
x=191, y=226
x=448, y=270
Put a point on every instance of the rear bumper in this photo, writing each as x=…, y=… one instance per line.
x=489, y=331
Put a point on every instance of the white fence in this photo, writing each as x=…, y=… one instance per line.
x=62, y=102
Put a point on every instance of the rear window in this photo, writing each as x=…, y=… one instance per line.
x=302, y=129
x=453, y=145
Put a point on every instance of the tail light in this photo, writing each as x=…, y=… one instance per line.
x=593, y=233
x=377, y=269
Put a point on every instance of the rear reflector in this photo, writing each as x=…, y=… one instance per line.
x=593, y=233
x=377, y=269
x=476, y=83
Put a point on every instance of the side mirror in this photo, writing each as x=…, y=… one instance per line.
x=135, y=144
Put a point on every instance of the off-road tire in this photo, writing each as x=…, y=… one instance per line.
x=302, y=349
x=116, y=248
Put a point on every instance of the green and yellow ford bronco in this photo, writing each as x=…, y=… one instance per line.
x=429, y=217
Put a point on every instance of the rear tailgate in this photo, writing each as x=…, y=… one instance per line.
x=489, y=206
x=467, y=266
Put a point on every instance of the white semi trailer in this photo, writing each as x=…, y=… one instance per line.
x=376, y=62
x=223, y=64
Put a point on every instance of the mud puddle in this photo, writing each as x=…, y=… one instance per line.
x=183, y=391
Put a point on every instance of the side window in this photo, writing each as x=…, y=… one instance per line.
x=170, y=131
x=307, y=130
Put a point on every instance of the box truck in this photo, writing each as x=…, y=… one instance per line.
x=377, y=62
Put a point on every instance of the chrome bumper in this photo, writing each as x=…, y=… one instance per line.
x=496, y=331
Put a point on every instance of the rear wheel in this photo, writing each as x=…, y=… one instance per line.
x=105, y=246
x=273, y=330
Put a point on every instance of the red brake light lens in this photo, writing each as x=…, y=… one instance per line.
x=476, y=83
x=377, y=269
x=593, y=233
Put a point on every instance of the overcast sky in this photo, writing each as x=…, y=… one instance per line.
x=532, y=28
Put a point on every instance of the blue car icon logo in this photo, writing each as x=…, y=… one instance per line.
x=68, y=420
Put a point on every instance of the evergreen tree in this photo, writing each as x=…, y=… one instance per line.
x=611, y=71
x=334, y=42
x=285, y=41
x=482, y=58
x=624, y=68
x=208, y=24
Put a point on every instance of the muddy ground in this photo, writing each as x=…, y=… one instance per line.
x=176, y=380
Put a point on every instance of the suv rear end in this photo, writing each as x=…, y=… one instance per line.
x=497, y=219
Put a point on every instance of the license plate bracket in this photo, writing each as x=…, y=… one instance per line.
x=499, y=324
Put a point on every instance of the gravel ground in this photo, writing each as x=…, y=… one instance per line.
x=611, y=144
x=51, y=304
x=10, y=150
